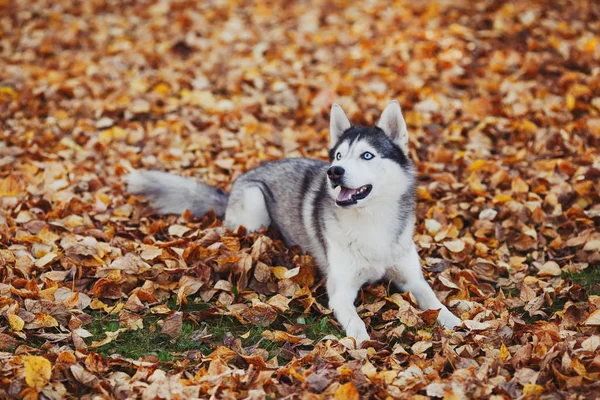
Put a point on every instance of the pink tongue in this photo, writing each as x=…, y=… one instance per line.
x=345, y=194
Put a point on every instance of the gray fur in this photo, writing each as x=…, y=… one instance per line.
x=173, y=194
x=281, y=184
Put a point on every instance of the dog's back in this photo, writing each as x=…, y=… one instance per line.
x=295, y=194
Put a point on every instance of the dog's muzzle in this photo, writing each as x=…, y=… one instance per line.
x=335, y=175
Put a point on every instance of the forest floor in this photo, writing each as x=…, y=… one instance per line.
x=98, y=296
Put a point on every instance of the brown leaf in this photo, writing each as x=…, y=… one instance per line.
x=7, y=342
x=172, y=325
x=83, y=376
x=105, y=288
x=262, y=315
x=188, y=285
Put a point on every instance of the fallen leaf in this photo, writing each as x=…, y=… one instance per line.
x=347, y=391
x=15, y=322
x=593, y=319
x=455, y=246
x=549, y=268
x=172, y=325
x=38, y=371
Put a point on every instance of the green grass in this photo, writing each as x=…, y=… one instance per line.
x=140, y=343
x=589, y=279
x=319, y=327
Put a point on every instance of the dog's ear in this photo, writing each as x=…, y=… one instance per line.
x=338, y=124
x=392, y=123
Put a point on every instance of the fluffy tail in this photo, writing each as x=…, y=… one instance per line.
x=173, y=194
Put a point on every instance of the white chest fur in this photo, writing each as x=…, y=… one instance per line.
x=366, y=244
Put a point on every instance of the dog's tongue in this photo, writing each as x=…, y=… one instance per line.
x=345, y=194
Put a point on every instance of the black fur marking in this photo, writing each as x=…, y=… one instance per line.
x=306, y=181
x=377, y=138
x=406, y=207
x=269, y=199
x=317, y=214
x=266, y=191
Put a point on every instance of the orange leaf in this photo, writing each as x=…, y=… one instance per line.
x=347, y=392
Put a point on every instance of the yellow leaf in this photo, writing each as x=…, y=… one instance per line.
x=570, y=101
x=502, y=198
x=504, y=353
x=37, y=371
x=162, y=88
x=44, y=321
x=279, y=272
x=477, y=165
x=16, y=323
x=346, y=392
x=9, y=186
x=531, y=390
x=475, y=184
x=8, y=91
x=528, y=126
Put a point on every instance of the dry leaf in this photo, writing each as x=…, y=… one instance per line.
x=549, y=268
x=455, y=246
x=347, y=391
x=37, y=371
x=172, y=325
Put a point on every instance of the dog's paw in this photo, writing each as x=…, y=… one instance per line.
x=448, y=320
x=358, y=331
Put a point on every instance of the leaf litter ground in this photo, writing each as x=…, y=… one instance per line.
x=100, y=297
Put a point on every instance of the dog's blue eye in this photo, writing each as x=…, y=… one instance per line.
x=338, y=156
x=366, y=155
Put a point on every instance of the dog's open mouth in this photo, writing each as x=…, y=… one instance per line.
x=348, y=196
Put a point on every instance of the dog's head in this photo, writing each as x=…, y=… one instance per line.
x=369, y=163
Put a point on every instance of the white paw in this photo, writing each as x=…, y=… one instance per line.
x=358, y=331
x=448, y=320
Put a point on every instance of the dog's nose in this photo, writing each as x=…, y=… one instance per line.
x=334, y=173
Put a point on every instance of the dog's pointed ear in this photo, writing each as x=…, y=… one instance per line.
x=392, y=123
x=338, y=124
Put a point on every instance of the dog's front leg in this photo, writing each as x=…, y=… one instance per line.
x=407, y=275
x=342, y=289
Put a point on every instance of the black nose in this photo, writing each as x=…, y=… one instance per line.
x=334, y=173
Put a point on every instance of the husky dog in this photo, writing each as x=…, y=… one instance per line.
x=355, y=215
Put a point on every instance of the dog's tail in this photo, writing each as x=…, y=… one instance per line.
x=173, y=194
